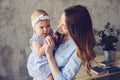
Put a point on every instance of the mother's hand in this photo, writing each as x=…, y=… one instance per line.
x=49, y=45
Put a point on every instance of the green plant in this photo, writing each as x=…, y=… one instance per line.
x=108, y=37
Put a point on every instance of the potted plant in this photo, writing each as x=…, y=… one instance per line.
x=108, y=37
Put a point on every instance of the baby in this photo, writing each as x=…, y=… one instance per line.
x=37, y=65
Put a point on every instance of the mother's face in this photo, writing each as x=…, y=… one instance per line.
x=62, y=28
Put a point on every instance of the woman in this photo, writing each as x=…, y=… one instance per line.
x=77, y=46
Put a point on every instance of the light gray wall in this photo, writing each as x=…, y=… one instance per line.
x=15, y=28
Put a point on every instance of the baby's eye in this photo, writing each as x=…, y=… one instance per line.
x=41, y=27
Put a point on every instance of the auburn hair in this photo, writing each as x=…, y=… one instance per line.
x=79, y=24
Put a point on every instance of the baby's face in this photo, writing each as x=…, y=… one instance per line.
x=42, y=28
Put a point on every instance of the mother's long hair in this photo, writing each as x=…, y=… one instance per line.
x=79, y=25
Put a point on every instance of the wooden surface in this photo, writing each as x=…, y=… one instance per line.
x=82, y=75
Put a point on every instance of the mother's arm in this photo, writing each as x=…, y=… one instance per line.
x=67, y=72
x=70, y=69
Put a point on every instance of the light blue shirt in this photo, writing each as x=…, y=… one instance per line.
x=65, y=57
x=67, y=61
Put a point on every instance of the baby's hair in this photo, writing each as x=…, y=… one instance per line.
x=37, y=13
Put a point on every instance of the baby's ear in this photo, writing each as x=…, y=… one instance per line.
x=33, y=27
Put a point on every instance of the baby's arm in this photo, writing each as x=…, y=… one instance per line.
x=38, y=48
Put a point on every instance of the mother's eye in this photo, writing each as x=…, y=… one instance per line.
x=48, y=26
x=41, y=27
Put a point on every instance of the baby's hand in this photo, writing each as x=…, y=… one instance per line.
x=49, y=44
x=55, y=38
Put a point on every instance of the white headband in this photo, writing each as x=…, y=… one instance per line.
x=39, y=18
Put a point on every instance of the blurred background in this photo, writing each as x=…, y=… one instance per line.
x=16, y=29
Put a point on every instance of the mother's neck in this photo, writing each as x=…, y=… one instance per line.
x=66, y=38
